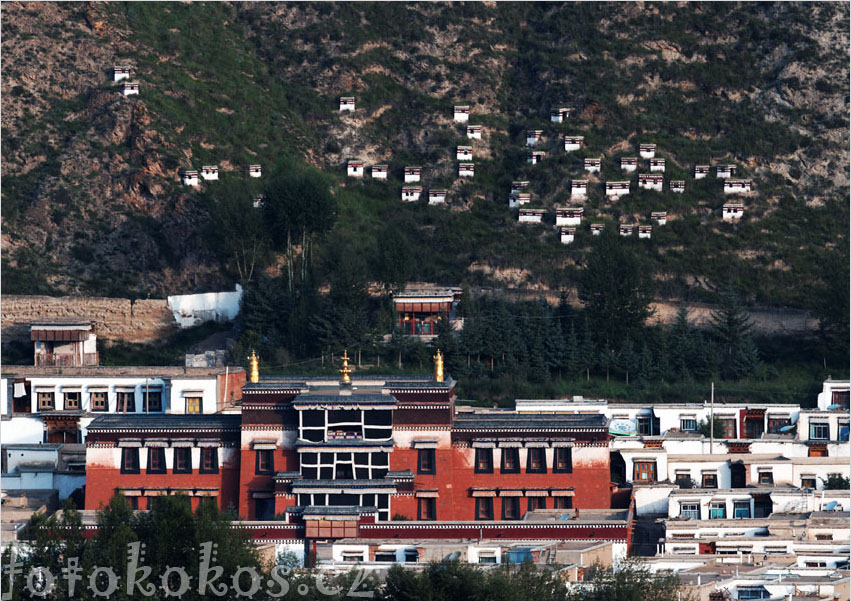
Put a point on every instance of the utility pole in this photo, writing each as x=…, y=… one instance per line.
x=712, y=418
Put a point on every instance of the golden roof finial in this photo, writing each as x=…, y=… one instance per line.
x=346, y=371
x=253, y=367
x=438, y=366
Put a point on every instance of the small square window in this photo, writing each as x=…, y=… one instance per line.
x=425, y=461
x=45, y=400
x=709, y=481
x=688, y=424
x=99, y=401
x=766, y=477
x=808, y=482
x=193, y=405
x=72, y=400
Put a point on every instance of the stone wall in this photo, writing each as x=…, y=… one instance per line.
x=114, y=319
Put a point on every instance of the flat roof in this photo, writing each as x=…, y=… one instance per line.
x=172, y=422
x=116, y=371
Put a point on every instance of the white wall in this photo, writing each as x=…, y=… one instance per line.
x=179, y=388
x=651, y=500
x=192, y=310
x=22, y=429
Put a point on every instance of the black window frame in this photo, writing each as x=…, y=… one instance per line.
x=484, y=508
x=214, y=454
x=425, y=503
x=705, y=477
x=543, y=460
x=515, y=452
x=179, y=451
x=159, y=453
x=145, y=400
x=513, y=503
x=428, y=455
x=486, y=453
x=567, y=504
x=539, y=503
x=259, y=453
x=568, y=451
x=128, y=453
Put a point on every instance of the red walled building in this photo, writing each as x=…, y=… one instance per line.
x=333, y=455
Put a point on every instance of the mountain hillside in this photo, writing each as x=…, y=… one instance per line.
x=92, y=202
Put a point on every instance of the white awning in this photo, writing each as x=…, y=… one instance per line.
x=537, y=493
x=424, y=444
x=563, y=444
x=264, y=444
x=156, y=442
x=182, y=443
x=72, y=388
x=484, y=444
x=129, y=443
x=483, y=493
x=428, y=494
x=209, y=443
x=509, y=444
x=192, y=394
x=510, y=493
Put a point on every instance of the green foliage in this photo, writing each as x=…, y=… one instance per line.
x=837, y=481
x=631, y=580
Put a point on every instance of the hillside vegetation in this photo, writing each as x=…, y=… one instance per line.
x=92, y=202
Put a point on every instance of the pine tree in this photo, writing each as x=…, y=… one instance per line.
x=627, y=360
x=588, y=356
x=573, y=353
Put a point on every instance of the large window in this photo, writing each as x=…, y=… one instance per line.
x=425, y=461
x=717, y=510
x=209, y=460
x=709, y=480
x=536, y=460
x=126, y=401
x=156, y=460
x=265, y=462
x=484, y=460
x=45, y=400
x=819, y=431
x=193, y=405
x=644, y=425
x=728, y=428
x=511, y=508
x=182, y=460
x=645, y=472
x=153, y=401
x=426, y=508
x=484, y=508
x=808, y=481
x=775, y=423
x=99, y=402
x=510, y=460
x=690, y=510
x=130, y=460
x=264, y=508
x=742, y=509
x=562, y=502
x=72, y=400
x=752, y=592
x=563, y=459
x=688, y=423
x=766, y=477
x=842, y=399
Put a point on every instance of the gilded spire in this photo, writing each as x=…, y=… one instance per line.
x=346, y=371
x=438, y=366
x=254, y=367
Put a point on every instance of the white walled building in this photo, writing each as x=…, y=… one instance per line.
x=411, y=193
x=657, y=164
x=660, y=217
x=531, y=216
x=354, y=169
x=379, y=172
x=645, y=231
x=462, y=113
x=518, y=200
x=569, y=216
x=559, y=114
x=535, y=157
x=189, y=177
x=347, y=103
x=466, y=170
x=464, y=153
x=732, y=186
x=678, y=186
x=573, y=143
x=700, y=171
x=120, y=72
x=578, y=189
x=567, y=235
x=210, y=172
x=625, y=230
x=732, y=211
x=647, y=151
x=725, y=171
x=615, y=190
x=437, y=196
x=474, y=132
x=412, y=174
x=592, y=165
x=629, y=164
x=597, y=229
x=130, y=88
x=651, y=182
x=254, y=171
x=533, y=137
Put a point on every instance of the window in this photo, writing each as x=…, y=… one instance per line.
x=511, y=508
x=487, y=558
x=777, y=423
x=644, y=425
x=193, y=405
x=425, y=461
x=717, y=510
x=808, y=482
x=264, y=509
x=99, y=401
x=72, y=400
x=683, y=480
x=265, y=462
x=690, y=510
x=752, y=592
x=536, y=460
x=824, y=537
x=563, y=459
x=562, y=502
x=385, y=557
x=709, y=480
x=843, y=431
x=484, y=508
x=766, y=477
x=130, y=460
x=426, y=508
x=182, y=460
x=537, y=503
x=728, y=427
x=510, y=460
x=819, y=431
x=209, y=460
x=754, y=427
x=484, y=460
x=153, y=401
x=156, y=460
x=645, y=472
x=688, y=424
x=742, y=509
x=133, y=500
x=842, y=399
x=126, y=401
x=45, y=400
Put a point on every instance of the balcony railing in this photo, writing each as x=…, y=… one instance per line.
x=65, y=360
